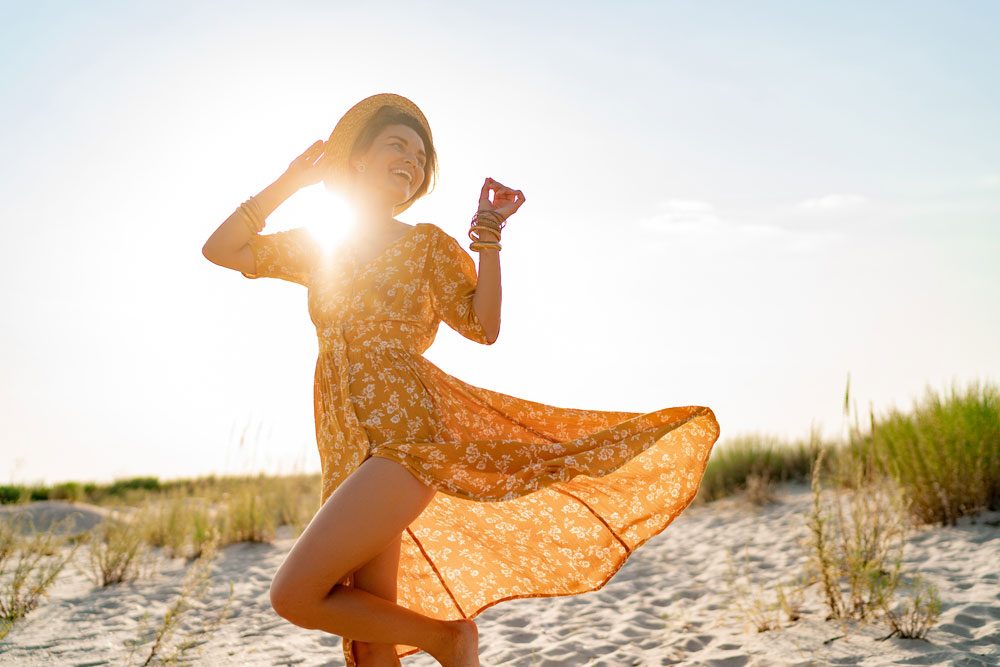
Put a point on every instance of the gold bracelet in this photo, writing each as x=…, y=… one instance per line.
x=490, y=217
x=247, y=221
x=499, y=218
x=255, y=205
x=488, y=228
x=257, y=211
x=482, y=245
x=252, y=212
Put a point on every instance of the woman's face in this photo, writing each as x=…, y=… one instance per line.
x=394, y=165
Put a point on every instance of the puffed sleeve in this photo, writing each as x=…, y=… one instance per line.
x=288, y=255
x=453, y=281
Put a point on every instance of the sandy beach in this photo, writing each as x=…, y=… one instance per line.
x=672, y=603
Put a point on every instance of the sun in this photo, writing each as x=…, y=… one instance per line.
x=327, y=215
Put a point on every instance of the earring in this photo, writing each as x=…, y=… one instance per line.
x=361, y=166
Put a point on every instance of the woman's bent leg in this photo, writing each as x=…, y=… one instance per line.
x=369, y=510
x=378, y=577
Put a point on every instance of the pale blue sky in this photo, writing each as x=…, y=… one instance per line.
x=728, y=204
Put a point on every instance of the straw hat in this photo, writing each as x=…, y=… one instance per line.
x=338, y=147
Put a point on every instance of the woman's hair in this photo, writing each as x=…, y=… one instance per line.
x=388, y=115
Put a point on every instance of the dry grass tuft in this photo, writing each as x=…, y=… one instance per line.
x=247, y=516
x=915, y=615
x=856, y=554
x=760, y=489
x=763, y=611
x=193, y=589
x=40, y=558
x=118, y=550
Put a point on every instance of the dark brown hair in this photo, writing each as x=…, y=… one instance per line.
x=389, y=115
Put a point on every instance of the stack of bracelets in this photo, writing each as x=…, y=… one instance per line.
x=489, y=221
x=251, y=214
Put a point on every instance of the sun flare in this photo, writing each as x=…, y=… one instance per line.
x=328, y=216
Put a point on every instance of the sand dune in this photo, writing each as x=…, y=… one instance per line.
x=670, y=604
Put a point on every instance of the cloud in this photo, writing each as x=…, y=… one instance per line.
x=699, y=219
x=685, y=216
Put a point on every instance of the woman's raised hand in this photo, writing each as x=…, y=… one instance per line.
x=505, y=201
x=306, y=169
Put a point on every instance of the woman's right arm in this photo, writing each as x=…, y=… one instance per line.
x=228, y=245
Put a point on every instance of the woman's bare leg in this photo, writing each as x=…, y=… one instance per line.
x=360, y=520
x=378, y=577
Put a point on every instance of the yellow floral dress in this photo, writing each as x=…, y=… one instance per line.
x=534, y=500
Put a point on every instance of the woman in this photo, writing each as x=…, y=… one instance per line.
x=536, y=500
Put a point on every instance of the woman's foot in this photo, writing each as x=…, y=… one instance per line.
x=376, y=655
x=464, y=649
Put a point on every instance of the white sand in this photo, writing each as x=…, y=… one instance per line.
x=670, y=604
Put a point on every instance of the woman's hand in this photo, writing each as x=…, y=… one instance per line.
x=505, y=201
x=305, y=169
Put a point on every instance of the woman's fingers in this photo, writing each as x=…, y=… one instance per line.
x=310, y=157
x=504, y=199
x=498, y=185
x=314, y=148
x=484, y=194
x=503, y=190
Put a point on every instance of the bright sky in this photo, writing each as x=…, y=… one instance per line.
x=728, y=204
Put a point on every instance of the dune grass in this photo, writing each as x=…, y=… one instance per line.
x=755, y=459
x=944, y=453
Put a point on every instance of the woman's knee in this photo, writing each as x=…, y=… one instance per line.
x=287, y=604
x=296, y=605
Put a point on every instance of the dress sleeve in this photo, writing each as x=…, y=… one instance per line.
x=453, y=282
x=288, y=255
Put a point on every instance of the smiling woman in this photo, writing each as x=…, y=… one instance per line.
x=440, y=499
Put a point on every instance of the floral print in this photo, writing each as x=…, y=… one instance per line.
x=534, y=500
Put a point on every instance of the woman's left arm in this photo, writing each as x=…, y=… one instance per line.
x=486, y=301
x=489, y=294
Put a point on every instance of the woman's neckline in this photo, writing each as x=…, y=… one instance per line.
x=361, y=266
